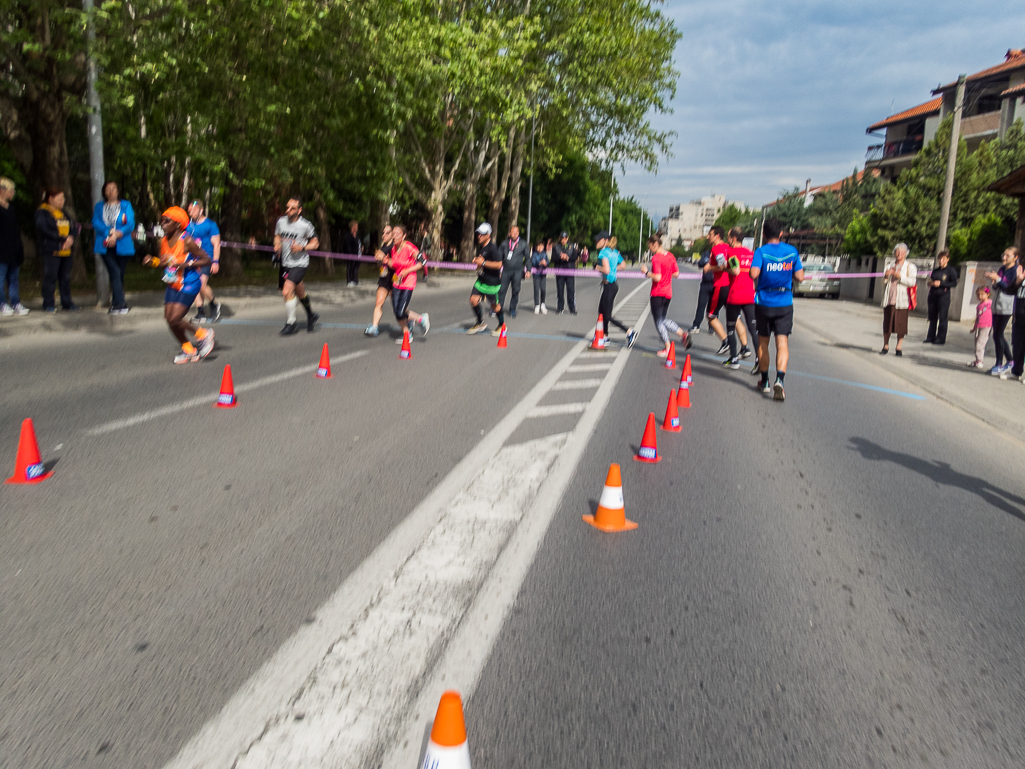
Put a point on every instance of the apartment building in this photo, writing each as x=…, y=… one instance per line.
x=688, y=222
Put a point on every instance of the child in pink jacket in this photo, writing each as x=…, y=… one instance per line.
x=983, y=325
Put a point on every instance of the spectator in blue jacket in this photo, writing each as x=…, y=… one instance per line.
x=113, y=225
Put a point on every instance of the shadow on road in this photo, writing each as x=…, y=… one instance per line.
x=945, y=475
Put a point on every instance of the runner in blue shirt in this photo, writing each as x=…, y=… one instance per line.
x=774, y=269
x=205, y=232
x=609, y=260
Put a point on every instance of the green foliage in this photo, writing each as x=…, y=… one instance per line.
x=985, y=240
x=858, y=236
x=790, y=211
x=574, y=197
x=729, y=217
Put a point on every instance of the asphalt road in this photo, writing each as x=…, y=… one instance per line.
x=832, y=581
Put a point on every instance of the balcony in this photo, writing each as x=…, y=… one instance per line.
x=892, y=150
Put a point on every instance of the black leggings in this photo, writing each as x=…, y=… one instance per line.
x=999, y=340
x=733, y=312
x=605, y=302
x=704, y=294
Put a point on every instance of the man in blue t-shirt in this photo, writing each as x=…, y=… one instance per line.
x=205, y=232
x=774, y=269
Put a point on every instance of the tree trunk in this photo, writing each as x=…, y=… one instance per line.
x=493, y=185
x=324, y=233
x=498, y=195
x=231, y=218
x=474, y=171
x=517, y=177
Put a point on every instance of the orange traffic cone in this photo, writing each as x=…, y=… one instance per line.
x=447, y=748
x=672, y=421
x=671, y=357
x=227, y=399
x=28, y=466
x=611, y=514
x=598, y=343
x=502, y=341
x=324, y=369
x=686, y=370
x=405, y=353
x=649, y=446
x=683, y=396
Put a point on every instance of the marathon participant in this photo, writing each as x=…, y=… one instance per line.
x=609, y=260
x=741, y=301
x=489, y=281
x=721, y=287
x=704, y=291
x=405, y=261
x=564, y=257
x=384, y=285
x=205, y=231
x=774, y=268
x=181, y=257
x=663, y=270
x=294, y=236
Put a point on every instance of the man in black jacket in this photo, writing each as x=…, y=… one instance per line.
x=351, y=245
x=514, y=250
x=941, y=280
x=564, y=257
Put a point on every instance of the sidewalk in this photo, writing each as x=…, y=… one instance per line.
x=939, y=370
x=148, y=306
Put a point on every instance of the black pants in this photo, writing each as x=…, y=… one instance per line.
x=1018, y=340
x=116, y=265
x=939, y=307
x=733, y=313
x=540, y=289
x=605, y=304
x=704, y=294
x=511, y=276
x=351, y=271
x=999, y=340
x=567, y=284
x=56, y=269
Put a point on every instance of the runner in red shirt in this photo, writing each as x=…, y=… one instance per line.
x=721, y=287
x=405, y=261
x=741, y=300
x=663, y=270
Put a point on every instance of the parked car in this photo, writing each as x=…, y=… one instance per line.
x=816, y=283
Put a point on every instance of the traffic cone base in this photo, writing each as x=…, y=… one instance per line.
x=503, y=342
x=324, y=369
x=598, y=341
x=447, y=748
x=405, y=353
x=671, y=423
x=28, y=465
x=611, y=514
x=648, y=452
x=226, y=399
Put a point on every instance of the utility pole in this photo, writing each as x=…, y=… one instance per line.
x=530, y=192
x=94, y=127
x=611, y=195
x=948, y=188
x=640, y=235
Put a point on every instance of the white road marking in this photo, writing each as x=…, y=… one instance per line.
x=576, y=384
x=174, y=408
x=589, y=367
x=556, y=410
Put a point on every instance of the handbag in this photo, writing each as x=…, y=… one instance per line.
x=912, y=298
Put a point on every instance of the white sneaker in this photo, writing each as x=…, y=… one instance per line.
x=20, y=309
x=6, y=310
x=537, y=309
x=206, y=345
x=544, y=310
x=425, y=323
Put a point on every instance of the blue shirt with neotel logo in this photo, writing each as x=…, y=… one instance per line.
x=778, y=262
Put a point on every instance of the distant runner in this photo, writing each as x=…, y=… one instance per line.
x=181, y=257
x=384, y=287
x=205, y=230
x=663, y=270
x=609, y=260
x=405, y=263
x=489, y=281
x=721, y=287
x=741, y=301
x=294, y=236
x=775, y=267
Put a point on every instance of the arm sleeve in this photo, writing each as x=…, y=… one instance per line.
x=950, y=278
x=129, y=226
x=99, y=226
x=912, y=276
x=46, y=227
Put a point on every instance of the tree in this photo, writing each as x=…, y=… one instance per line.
x=729, y=217
x=790, y=210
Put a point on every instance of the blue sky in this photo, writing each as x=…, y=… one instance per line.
x=771, y=94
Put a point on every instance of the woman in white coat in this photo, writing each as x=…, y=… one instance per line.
x=899, y=280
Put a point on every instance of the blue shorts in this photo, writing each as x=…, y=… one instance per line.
x=203, y=270
x=185, y=295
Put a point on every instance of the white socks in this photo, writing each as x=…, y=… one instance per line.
x=290, y=305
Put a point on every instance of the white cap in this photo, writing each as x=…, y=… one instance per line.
x=484, y=229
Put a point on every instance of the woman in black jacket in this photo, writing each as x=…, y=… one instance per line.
x=55, y=233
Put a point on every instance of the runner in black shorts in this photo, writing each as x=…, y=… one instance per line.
x=383, y=282
x=489, y=281
x=294, y=236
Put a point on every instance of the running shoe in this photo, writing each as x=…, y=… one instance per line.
x=124, y=311
x=754, y=369
x=766, y=387
x=631, y=337
x=497, y=332
x=723, y=348
x=425, y=323
x=662, y=353
x=694, y=330
x=200, y=316
x=186, y=357
x=477, y=328
x=731, y=363
x=290, y=328
x=311, y=323
x=1006, y=374
x=995, y=371
x=687, y=342
x=215, y=308
x=544, y=310
x=6, y=310
x=537, y=309
x=512, y=313
x=20, y=309
x=206, y=344
x=777, y=391
x=371, y=330
x=745, y=353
